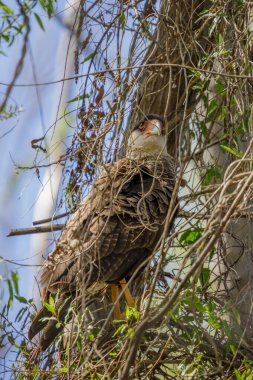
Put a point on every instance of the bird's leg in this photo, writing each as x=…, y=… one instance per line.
x=45, y=295
x=127, y=293
x=115, y=300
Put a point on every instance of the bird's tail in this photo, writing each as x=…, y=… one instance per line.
x=50, y=321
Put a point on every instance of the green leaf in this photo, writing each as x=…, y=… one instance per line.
x=63, y=370
x=5, y=37
x=20, y=314
x=190, y=236
x=11, y=339
x=91, y=337
x=14, y=277
x=128, y=312
x=204, y=130
x=42, y=2
x=223, y=113
x=196, y=73
x=69, y=199
x=51, y=301
x=232, y=151
x=198, y=305
x=204, y=277
x=49, y=307
x=50, y=8
x=130, y=332
x=219, y=87
x=211, y=109
x=232, y=348
x=210, y=174
x=39, y=21
x=79, y=342
x=122, y=20
x=89, y=57
x=10, y=300
x=120, y=330
x=6, y=8
x=21, y=299
x=85, y=96
x=237, y=374
x=220, y=40
x=113, y=354
x=239, y=3
x=63, y=304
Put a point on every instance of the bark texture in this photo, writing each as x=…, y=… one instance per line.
x=167, y=90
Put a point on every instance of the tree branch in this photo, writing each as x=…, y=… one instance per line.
x=35, y=230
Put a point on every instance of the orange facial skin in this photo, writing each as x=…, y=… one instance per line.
x=151, y=127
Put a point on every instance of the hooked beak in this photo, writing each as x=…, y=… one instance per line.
x=152, y=127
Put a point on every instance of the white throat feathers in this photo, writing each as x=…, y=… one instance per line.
x=139, y=144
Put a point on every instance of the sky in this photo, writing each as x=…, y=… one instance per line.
x=26, y=196
x=23, y=196
x=19, y=188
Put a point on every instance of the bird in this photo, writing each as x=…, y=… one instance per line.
x=114, y=230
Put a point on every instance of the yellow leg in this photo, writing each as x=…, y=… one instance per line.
x=127, y=294
x=45, y=295
x=115, y=296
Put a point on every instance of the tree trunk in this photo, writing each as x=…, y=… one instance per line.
x=166, y=88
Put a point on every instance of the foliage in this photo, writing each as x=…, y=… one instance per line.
x=12, y=23
x=15, y=21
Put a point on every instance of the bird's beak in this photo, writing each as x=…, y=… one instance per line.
x=152, y=127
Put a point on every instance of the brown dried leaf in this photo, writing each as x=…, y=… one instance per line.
x=100, y=95
x=36, y=146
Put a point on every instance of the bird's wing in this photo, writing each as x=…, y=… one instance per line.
x=126, y=192
x=60, y=270
x=90, y=224
x=113, y=231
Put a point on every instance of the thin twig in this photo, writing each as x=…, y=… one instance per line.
x=146, y=66
x=20, y=62
x=35, y=230
x=52, y=218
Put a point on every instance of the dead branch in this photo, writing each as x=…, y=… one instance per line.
x=35, y=230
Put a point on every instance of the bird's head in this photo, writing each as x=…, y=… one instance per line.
x=148, y=136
